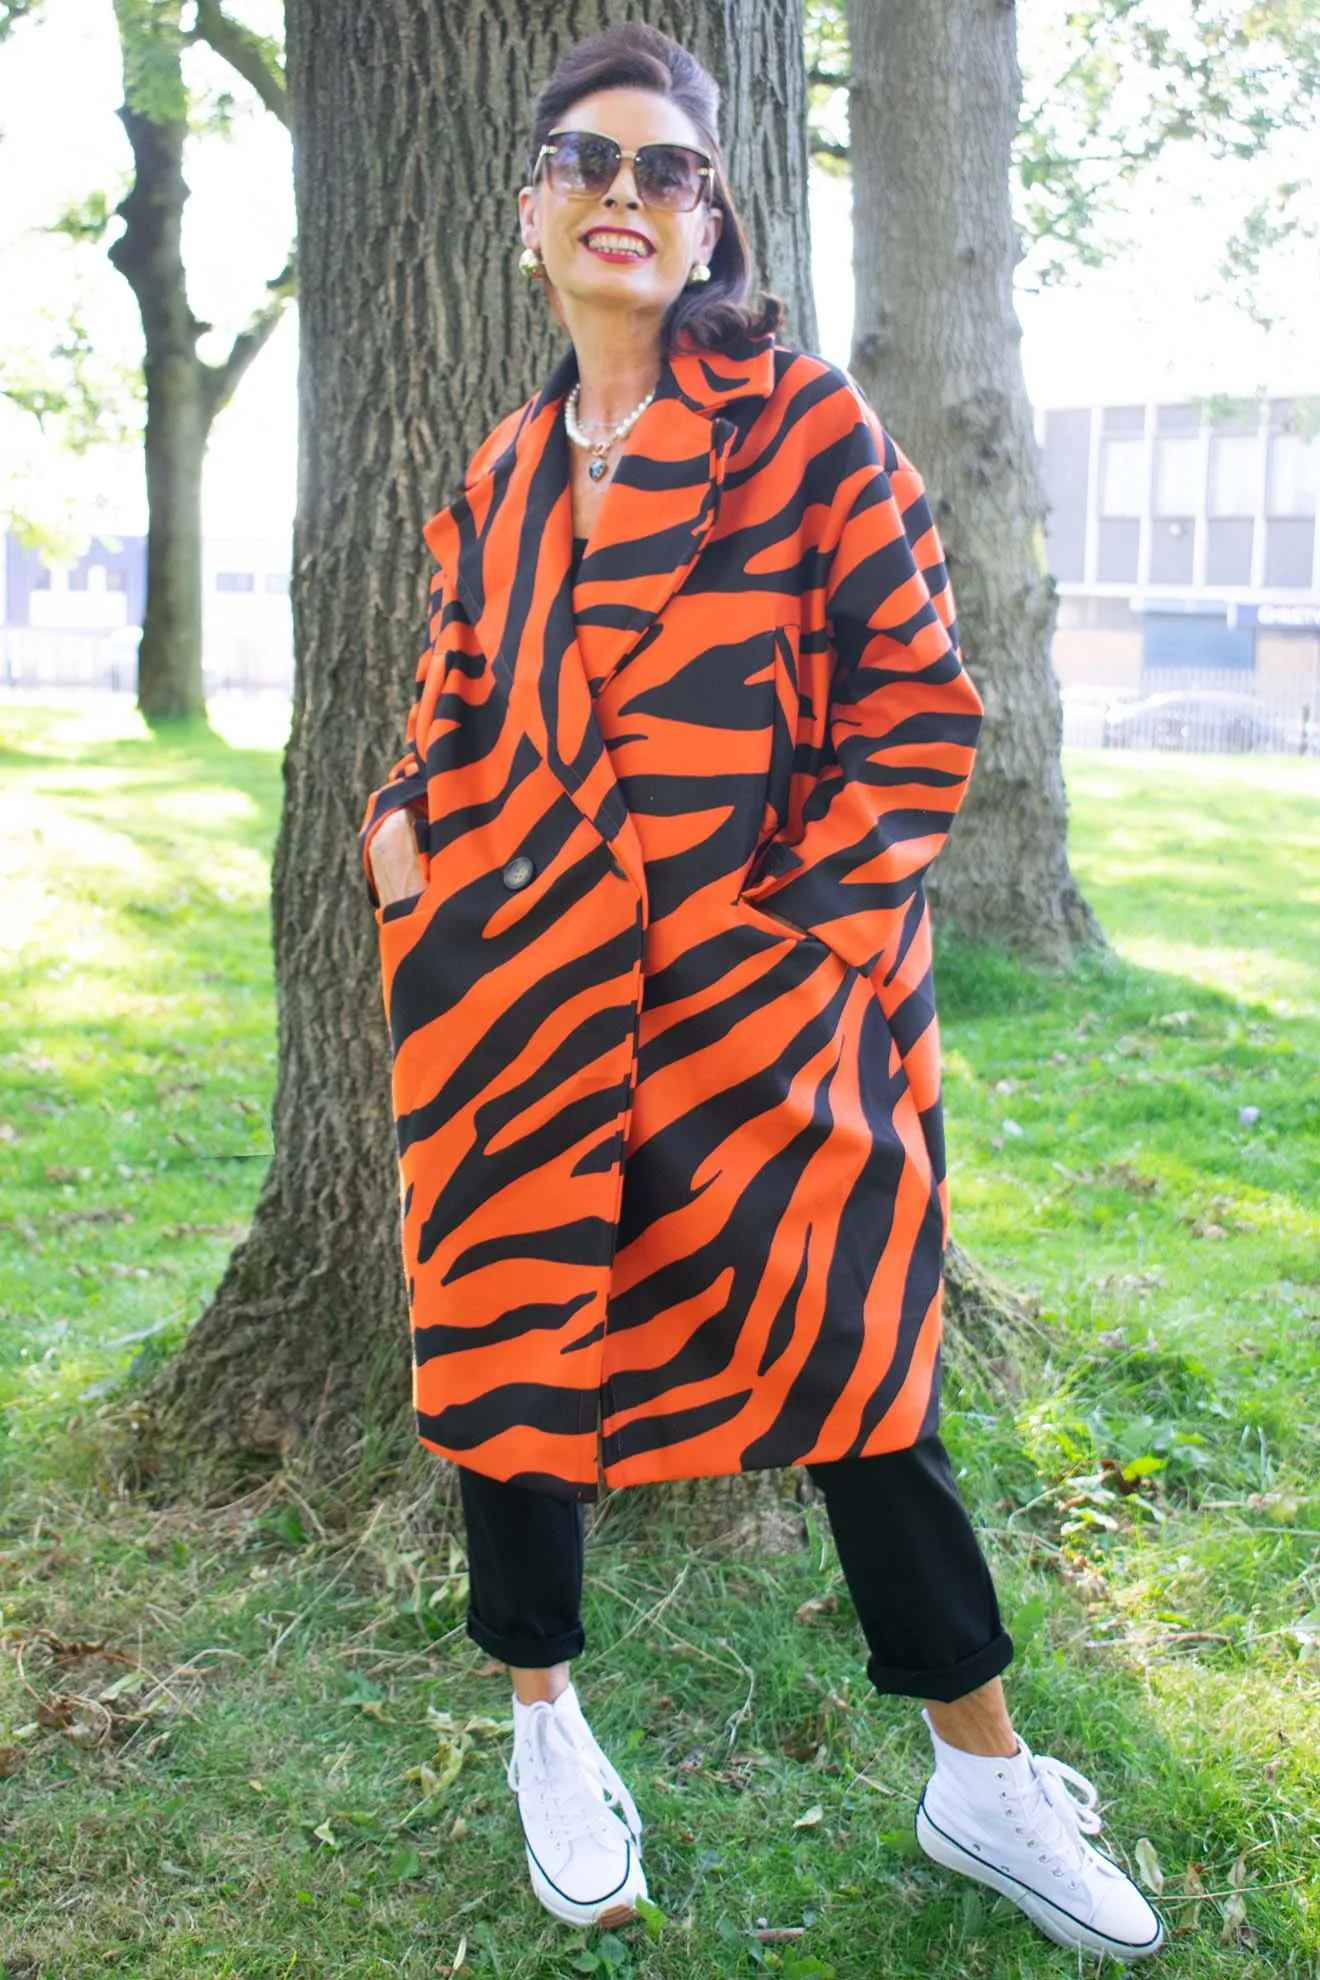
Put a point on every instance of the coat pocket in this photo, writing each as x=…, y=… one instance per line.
x=774, y=922
x=395, y=910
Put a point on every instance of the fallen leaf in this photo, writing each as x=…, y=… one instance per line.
x=1148, y=1865
x=1235, y=1915
x=810, y=1819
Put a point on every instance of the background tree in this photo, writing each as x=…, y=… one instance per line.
x=417, y=334
x=184, y=392
x=1113, y=91
x=936, y=145
x=83, y=400
x=936, y=345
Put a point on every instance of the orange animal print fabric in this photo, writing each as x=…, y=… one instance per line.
x=665, y=1061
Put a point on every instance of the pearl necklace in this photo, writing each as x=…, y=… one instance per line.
x=600, y=448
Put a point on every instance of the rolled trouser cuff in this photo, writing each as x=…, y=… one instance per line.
x=952, y=1682
x=531, y=1653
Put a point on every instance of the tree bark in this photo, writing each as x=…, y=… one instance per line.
x=184, y=394
x=937, y=347
x=418, y=333
x=149, y=255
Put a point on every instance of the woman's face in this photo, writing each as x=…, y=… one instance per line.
x=562, y=225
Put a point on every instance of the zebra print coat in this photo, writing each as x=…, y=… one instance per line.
x=665, y=1063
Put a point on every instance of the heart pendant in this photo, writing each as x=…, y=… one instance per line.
x=596, y=470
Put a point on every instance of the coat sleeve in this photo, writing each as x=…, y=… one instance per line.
x=902, y=721
x=406, y=783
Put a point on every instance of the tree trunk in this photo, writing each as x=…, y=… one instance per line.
x=149, y=255
x=934, y=105
x=184, y=394
x=418, y=334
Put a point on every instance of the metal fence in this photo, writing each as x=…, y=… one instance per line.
x=1201, y=710
x=1172, y=708
x=39, y=656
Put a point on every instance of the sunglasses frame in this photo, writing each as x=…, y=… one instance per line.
x=705, y=171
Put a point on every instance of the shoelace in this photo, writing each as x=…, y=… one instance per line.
x=575, y=1815
x=1071, y=1801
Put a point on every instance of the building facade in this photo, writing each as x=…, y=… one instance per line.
x=78, y=624
x=1183, y=541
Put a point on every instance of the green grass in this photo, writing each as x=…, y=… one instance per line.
x=255, y=1740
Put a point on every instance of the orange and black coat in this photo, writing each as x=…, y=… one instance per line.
x=665, y=1062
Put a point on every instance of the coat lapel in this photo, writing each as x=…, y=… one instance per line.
x=505, y=546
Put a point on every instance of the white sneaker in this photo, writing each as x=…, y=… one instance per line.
x=584, y=1861
x=1018, y=1825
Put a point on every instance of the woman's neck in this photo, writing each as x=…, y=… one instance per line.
x=618, y=363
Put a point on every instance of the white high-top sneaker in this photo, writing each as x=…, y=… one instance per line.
x=1017, y=1825
x=584, y=1861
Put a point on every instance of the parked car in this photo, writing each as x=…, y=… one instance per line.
x=1085, y=706
x=1204, y=718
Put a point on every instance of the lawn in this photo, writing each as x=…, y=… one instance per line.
x=254, y=1740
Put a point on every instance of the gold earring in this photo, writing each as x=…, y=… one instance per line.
x=700, y=273
x=531, y=263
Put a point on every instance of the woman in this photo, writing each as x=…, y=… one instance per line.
x=690, y=726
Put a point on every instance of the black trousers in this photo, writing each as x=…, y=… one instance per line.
x=914, y=1569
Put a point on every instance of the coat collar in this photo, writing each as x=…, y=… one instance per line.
x=505, y=546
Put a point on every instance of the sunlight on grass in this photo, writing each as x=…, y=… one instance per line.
x=1252, y=975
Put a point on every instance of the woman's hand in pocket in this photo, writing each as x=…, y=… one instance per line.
x=396, y=865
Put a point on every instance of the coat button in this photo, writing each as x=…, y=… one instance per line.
x=518, y=872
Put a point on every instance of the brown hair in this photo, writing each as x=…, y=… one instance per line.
x=631, y=55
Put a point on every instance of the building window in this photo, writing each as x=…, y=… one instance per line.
x=1177, y=419
x=1177, y=476
x=41, y=578
x=1234, y=461
x=1118, y=548
x=1289, y=550
x=1294, y=475
x=277, y=582
x=114, y=580
x=1122, y=475
x=1228, y=548
x=235, y=581
x=78, y=578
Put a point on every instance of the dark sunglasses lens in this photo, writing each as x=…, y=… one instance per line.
x=582, y=163
x=669, y=175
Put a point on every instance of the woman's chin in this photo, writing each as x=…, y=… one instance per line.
x=603, y=289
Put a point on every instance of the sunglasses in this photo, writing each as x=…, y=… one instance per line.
x=583, y=165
